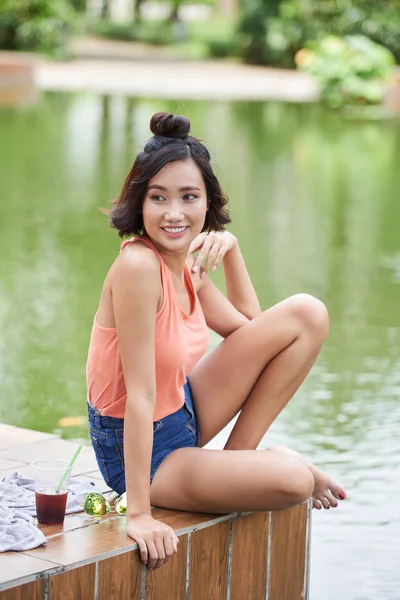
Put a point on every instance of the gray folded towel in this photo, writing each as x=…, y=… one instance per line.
x=18, y=530
x=17, y=507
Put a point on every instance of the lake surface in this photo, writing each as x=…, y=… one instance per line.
x=315, y=204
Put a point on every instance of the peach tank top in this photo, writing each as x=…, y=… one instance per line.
x=180, y=341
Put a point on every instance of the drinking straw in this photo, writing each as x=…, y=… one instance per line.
x=73, y=459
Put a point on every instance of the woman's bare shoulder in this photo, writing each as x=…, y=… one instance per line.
x=138, y=259
x=137, y=264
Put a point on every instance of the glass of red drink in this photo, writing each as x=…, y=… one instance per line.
x=51, y=498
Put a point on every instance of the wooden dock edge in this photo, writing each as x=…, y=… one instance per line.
x=241, y=556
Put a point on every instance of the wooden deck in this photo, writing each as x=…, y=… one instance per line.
x=253, y=556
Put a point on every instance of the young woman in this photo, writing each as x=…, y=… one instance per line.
x=155, y=396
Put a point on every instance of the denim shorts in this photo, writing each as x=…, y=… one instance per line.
x=179, y=430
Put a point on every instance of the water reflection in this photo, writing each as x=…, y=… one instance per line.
x=314, y=203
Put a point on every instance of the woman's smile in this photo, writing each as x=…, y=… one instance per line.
x=175, y=232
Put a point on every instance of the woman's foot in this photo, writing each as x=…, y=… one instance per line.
x=326, y=491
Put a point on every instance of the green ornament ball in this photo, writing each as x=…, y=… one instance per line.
x=96, y=505
x=121, y=504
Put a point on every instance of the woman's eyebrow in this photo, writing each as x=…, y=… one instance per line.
x=182, y=189
x=157, y=187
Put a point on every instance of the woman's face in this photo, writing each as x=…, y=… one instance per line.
x=175, y=205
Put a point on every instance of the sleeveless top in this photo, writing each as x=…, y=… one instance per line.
x=180, y=341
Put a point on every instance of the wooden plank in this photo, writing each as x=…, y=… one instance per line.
x=171, y=577
x=288, y=553
x=209, y=563
x=15, y=566
x=33, y=591
x=249, y=557
x=120, y=577
x=88, y=543
x=107, y=536
x=71, y=522
x=77, y=584
x=181, y=520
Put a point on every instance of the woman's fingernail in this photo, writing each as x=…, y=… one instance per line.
x=342, y=495
x=194, y=269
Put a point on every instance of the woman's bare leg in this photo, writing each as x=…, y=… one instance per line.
x=257, y=369
x=325, y=489
x=223, y=481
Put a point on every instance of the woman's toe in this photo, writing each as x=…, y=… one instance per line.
x=337, y=491
x=325, y=503
x=317, y=504
x=331, y=499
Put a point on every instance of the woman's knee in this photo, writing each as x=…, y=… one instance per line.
x=301, y=485
x=296, y=483
x=311, y=313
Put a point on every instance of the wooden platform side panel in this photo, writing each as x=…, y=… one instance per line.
x=288, y=553
x=249, y=557
x=208, y=573
x=31, y=591
x=119, y=577
x=78, y=584
x=19, y=568
x=170, y=580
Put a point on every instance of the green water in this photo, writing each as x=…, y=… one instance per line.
x=315, y=205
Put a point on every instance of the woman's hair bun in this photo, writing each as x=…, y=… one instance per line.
x=166, y=125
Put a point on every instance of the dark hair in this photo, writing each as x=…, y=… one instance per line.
x=171, y=142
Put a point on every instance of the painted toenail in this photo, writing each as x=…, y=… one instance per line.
x=342, y=495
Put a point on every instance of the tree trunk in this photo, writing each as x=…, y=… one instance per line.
x=104, y=9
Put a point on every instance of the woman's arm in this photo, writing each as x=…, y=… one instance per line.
x=224, y=247
x=220, y=314
x=239, y=288
x=135, y=296
x=136, y=289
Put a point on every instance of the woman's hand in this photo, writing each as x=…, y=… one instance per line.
x=157, y=542
x=214, y=246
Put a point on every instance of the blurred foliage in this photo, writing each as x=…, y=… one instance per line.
x=257, y=16
x=35, y=25
x=176, y=5
x=79, y=5
x=272, y=31
x=350, y=70
x=215, y=37
x=157, y=33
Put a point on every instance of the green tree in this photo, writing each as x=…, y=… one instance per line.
x=272, y=31
x=253, y=28
x=35, y=24
x=350, y=71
